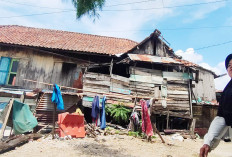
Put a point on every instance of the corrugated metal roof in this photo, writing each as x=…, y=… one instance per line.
x=153, y=59
x=165, y=60
x=187, y=63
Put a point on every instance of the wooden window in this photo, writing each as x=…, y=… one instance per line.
x=12, y=71
x=4, y=69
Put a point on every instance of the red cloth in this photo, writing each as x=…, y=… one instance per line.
x=146, y=121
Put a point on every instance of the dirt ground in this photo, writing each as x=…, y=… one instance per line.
x=116, y=146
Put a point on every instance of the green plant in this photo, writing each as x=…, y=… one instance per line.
x=119, y=113
x=135, y=134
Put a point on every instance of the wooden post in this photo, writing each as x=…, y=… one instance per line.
x=167, y=126
x=54, y=116
x=190, y=98
x=111, y=67
x=159, y=134
x=192, y=127
x=22, y=97
x=6, y=118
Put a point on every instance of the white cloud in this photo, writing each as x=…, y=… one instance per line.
x=221, y=82
x=202, y=12
x=190, y=55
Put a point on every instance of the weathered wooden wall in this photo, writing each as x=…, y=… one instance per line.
x=43, y=67
x=146, y=48
x=113, y=87
x=145, y=82
x=204, y=115
x=205, y=88
x=170, y=87
x=154, y=46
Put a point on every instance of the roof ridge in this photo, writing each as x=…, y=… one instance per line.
x=55, y=30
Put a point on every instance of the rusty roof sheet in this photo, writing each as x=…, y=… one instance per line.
x=187, y=63
x=63, y=40
x=152, y=59
x=165, y=60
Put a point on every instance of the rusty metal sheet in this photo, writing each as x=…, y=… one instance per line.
x=153, y=59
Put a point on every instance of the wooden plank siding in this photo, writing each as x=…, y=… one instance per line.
x=43, y=66
x=140, y=85
x=205, y=87
x=149, y=82
x=113, y=87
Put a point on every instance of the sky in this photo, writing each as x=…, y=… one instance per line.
x=198, y=30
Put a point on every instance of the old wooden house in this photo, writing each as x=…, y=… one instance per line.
x=123, y=70
x=152, y=70
x=175, y=82
x=34, y=58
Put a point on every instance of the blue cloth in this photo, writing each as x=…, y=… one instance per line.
x=95, y=107
x=103, y=115
x=57, y=97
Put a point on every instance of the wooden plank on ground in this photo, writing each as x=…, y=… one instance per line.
x=16, y=141
x=8, y=110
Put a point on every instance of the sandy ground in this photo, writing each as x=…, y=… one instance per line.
x=115, y=146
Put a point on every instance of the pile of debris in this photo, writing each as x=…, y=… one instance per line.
x=181, y=134
x=93, y=131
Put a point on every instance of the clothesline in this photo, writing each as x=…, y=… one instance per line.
x=116, y=95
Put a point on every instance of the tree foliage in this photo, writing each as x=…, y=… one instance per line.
x=89, y=7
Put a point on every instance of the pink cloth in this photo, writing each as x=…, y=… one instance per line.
x=146, y=122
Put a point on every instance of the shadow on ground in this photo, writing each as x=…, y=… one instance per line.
x=99, y=149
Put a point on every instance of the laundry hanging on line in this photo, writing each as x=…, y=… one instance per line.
x=103, y=114
x=57, y=97
x=146, y=121
x=98, y=116
x=95, y=110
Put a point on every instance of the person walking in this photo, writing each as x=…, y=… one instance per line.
x=220, y=127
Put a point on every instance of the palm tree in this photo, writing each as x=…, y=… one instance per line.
x=88, y=7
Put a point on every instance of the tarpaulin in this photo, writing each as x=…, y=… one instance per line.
x=57, y=97
x=23, y=119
